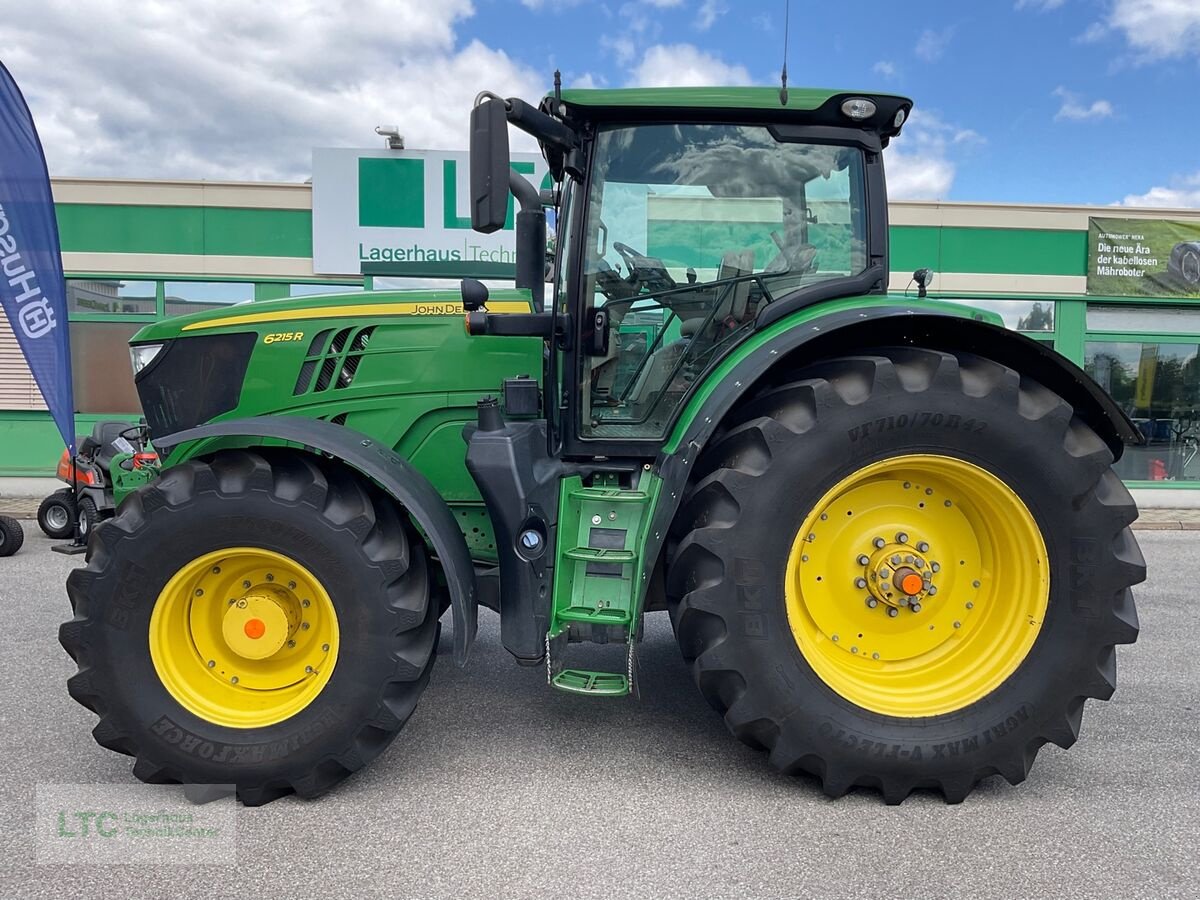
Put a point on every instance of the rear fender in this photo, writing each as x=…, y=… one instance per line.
x=390, y=472
x=803, y=339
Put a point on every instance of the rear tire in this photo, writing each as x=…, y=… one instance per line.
x=732, y=590
x=12, y=536
x=363, y=556
x=56, y=515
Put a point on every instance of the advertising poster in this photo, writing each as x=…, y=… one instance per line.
x=1143, y=258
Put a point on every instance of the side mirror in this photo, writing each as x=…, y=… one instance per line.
x=489, y=166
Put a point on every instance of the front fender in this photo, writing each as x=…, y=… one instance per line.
x=390, y=472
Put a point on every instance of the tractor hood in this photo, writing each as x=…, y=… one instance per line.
x=359, y=357
x=287, y=314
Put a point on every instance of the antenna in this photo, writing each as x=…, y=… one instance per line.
x=787, y=15
x=557, y=88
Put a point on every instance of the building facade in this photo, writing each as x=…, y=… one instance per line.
x=137, y=251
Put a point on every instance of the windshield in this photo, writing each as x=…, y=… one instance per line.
x=690, y=230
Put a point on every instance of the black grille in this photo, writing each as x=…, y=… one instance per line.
x=336, y=365
x=193, y=380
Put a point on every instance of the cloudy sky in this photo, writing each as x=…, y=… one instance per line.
x=1055, y=101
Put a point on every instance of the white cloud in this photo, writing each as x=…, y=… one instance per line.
x=1074, y=109
x=623, y=48
x=588, y=80
x=709, y=12
x=223, y=89
x=1040, y=5
x=932, y=43
x=885, y=68
x=1155, y=29
x=919, y=163
x=1183, y=193
x=684, y=65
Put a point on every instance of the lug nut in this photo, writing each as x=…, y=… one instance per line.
x=970, y=605
x=304, y=626
x=885, y=573
x=291, y=585
x=915, y=607
x=305, y=603
x=878, y=542
x=958, y=624
x=922, y=547
x=863, y=559
x=872, y=603
x=270, y=577
x=216, y=570
x=893, y=612
x=918, y=562
x=245, y=584
x=874, y=656
x=212, y=663
x=901, y=537
x=325, y=647
x=932, y=590
x=199, y=592
x=896, y=560
x=308, y=670
x=233, y=680
x=853, y=649
x=835, y=638
x=860, y=582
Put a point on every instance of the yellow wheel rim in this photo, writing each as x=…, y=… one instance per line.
x=244, y=637
x=917, y=585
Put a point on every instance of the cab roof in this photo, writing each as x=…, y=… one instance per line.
x=816, y=106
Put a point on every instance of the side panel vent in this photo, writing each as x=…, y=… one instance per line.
x=315, y=350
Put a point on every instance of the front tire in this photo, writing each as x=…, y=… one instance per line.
x=254, y=619
x=776, y=582
x=56, y=515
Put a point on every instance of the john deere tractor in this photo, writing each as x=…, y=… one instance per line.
x=887, y=531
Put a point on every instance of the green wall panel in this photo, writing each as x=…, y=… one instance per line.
x=193, y=230
x=913, y=248
x=1013, y=251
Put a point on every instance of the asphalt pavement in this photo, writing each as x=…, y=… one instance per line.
x=499, y=787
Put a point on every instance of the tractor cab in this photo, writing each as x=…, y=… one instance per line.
x=686, y=219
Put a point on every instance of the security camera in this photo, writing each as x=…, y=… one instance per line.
x=395, y=140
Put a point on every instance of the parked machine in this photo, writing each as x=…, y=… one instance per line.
x=115, y=459
x=12, y=536
x=886, y=530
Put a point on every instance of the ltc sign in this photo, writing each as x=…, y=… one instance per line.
x=405, y=210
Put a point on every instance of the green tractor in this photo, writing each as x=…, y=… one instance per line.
x=887, y=531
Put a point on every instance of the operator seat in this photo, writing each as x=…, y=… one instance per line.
x=104, y=433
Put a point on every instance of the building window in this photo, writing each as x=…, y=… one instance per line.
x=95, y=295
x=101, y=374
x=307, y=290
x=1136, y=317
x=183, y=297
x=1034, y=316
x=1158, y=386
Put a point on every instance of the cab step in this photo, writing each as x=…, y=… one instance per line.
x=595, y=684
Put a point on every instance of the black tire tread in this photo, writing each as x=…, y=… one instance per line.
x=742, y=449
x=381, y=531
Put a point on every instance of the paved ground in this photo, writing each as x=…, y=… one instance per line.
x=499, y=788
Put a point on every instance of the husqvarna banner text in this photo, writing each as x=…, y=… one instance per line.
x=1143, y=258
x=32, y=290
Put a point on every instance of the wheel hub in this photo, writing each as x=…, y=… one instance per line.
x=257, y=626
x=897, y=574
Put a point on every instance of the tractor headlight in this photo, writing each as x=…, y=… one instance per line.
x=859, y=108
x=141, y=355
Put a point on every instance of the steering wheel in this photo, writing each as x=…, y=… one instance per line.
x=644, y=270
x=800, y=258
